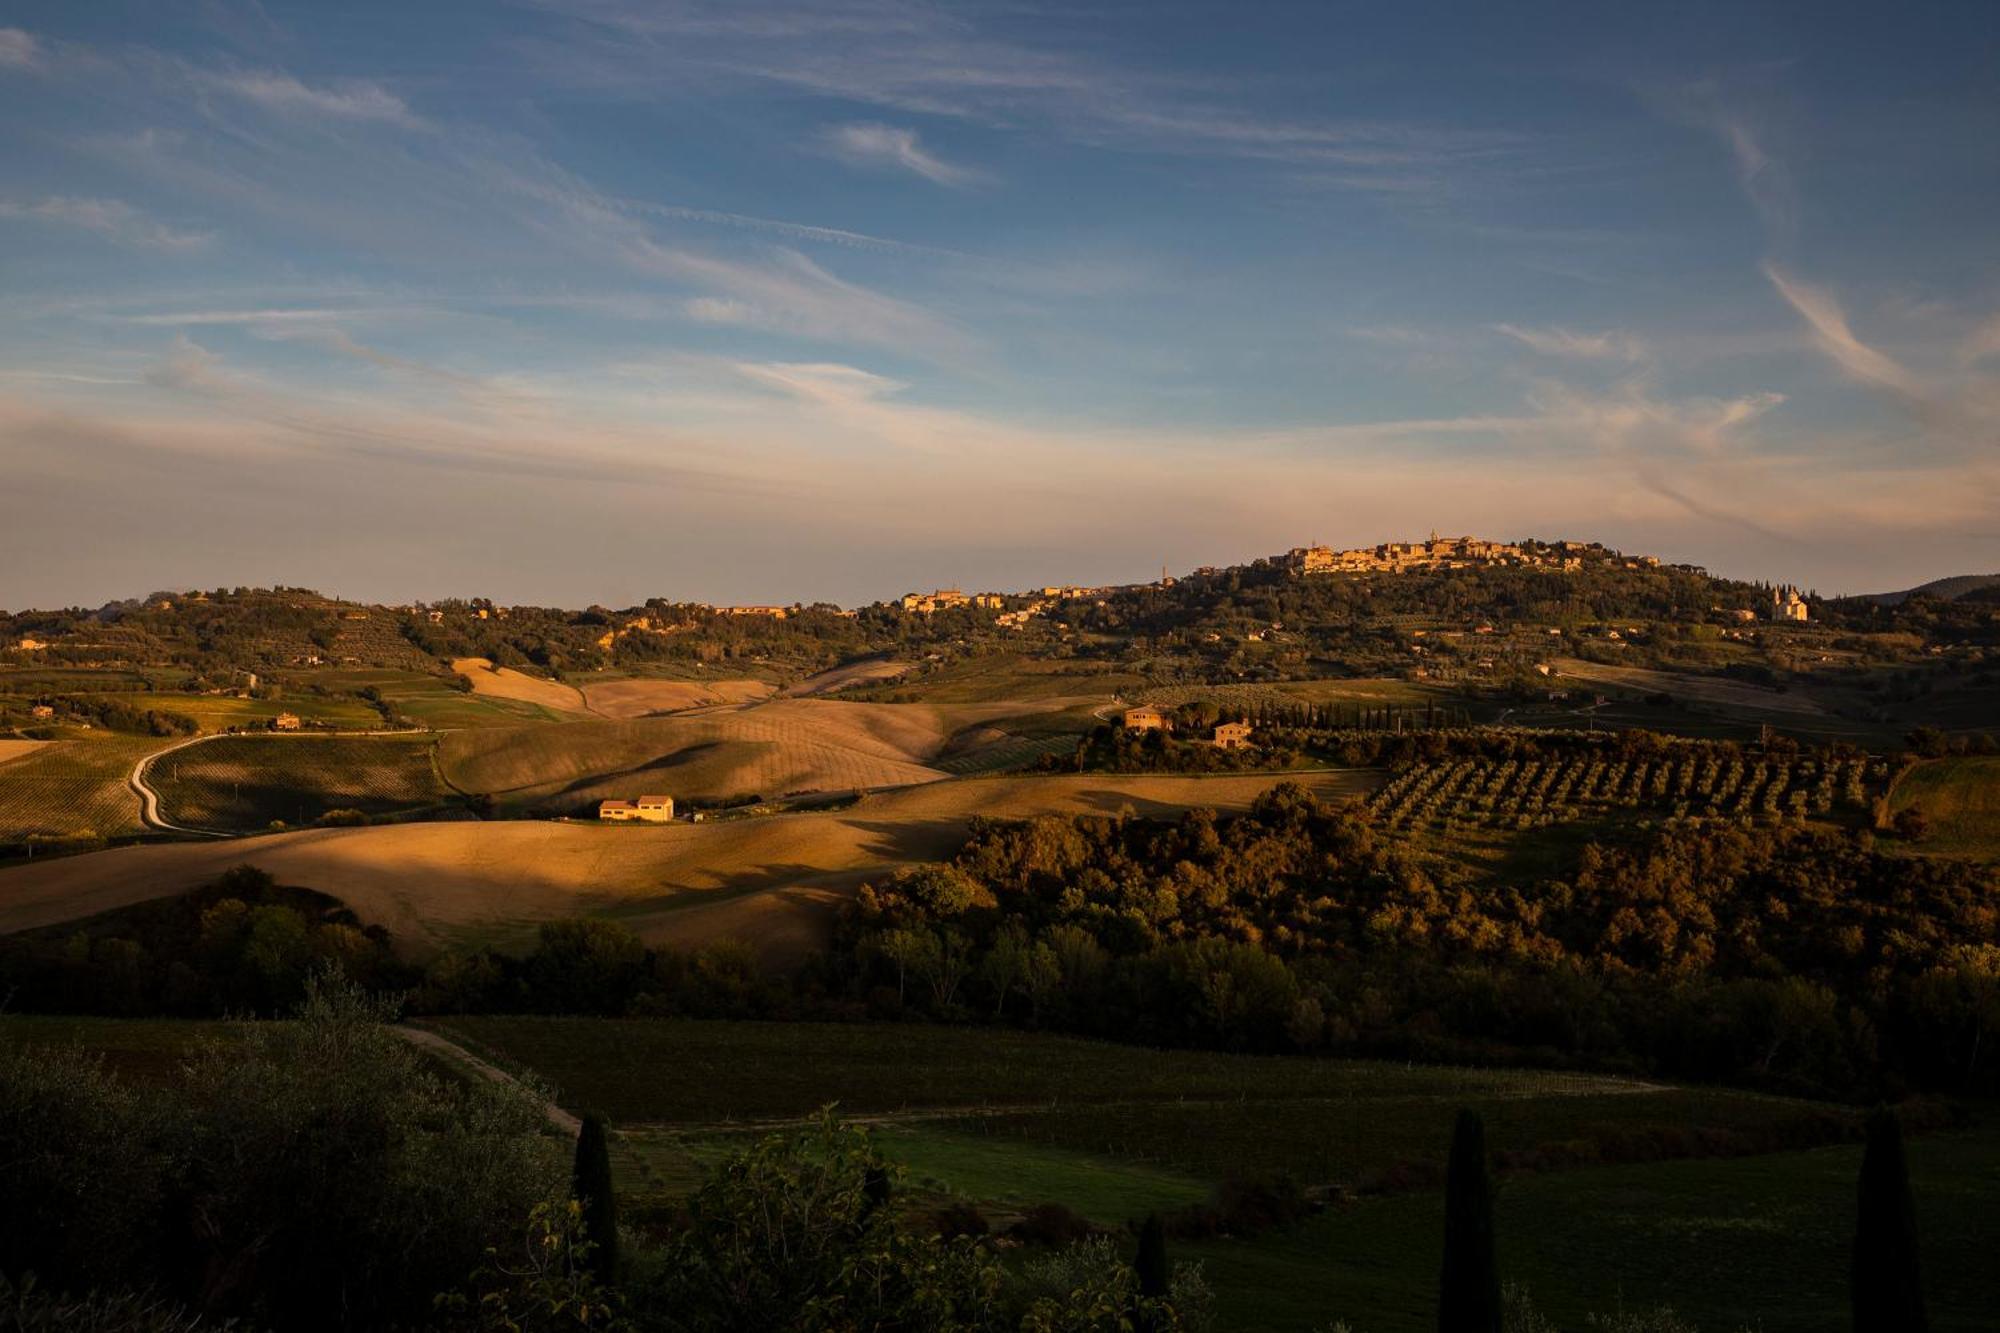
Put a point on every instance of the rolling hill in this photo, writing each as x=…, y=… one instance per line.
x=773, y=880
x=1946, y=589
x=783, y=747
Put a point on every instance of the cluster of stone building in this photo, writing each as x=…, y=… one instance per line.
x=1454, y=553
x=944, y=599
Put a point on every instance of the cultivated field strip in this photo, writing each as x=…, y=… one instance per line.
x=246, y=782
x=73, y=787
x=1690, y=781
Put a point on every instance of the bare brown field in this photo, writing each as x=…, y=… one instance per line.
x=624, y=699
x=1733, y=695
x=773, y=880
x=854, y=673
x=783, y=747
x=17, y=749
x=507, y=683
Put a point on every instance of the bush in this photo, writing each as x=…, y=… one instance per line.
x=1054, y=1225
x=959, y=1218
x=82, y=1171
x=1241, y=1207
x=1087, y=1287
x=791, y=1234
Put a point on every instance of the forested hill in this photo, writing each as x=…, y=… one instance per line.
x=1262, y=620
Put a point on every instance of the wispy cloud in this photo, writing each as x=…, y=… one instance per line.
x=353, y=99
x=784, y=292
x=1559, y=342
x=110, y=218
x=874, y=145
x=246, y=318
x=1733, y=109
x=905, y=56
x=1823, y=315
x=18, y=48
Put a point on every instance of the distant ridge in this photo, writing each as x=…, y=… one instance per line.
x=1945, y=589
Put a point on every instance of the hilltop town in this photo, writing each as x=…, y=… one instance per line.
x=1458, y=553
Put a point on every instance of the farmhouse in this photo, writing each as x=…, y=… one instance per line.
x=285, y=722
x=29, y=645
x=1232, y=735
x=647, y=809
x=1145, y=718
x=41, y=710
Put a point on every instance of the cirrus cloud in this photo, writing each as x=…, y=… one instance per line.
x=887, y=146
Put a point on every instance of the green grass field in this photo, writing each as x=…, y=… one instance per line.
x=1006, y=1120
x=1759, y=1243
x=245, y=782
x=1961, y=798
x=145, y=1050
x=434, y=700
x=220, y=712
x=1744, y=1242
x=73, y=786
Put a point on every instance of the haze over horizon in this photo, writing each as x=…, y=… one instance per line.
x=575, y=301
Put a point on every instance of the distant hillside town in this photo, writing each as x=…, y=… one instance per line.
x=1457, y=553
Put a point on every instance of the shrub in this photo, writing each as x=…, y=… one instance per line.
x=1054, y=1225
x=959, y=1218
x=81, y=1171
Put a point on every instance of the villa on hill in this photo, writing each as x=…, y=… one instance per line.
x=647, y=810
x=1232, y=735
x=1146, y=718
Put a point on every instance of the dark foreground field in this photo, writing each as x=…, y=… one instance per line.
x=1009, y=1120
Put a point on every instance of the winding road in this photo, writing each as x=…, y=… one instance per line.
x=149, y=800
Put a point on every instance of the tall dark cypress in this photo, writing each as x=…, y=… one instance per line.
x=590, y=1185
x=1884, y=1288
x=1469, y=1286
x=1152, y=1262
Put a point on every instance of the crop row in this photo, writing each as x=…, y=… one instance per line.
x=1695, y=782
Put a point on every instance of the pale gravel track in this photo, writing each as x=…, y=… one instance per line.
x=452, y=1053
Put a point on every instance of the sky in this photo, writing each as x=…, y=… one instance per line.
x=590, y=301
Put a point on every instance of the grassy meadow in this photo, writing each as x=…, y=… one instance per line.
x=221, y=712
x=1961, y=798
x=1007, y=1120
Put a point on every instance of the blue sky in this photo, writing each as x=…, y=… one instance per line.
x=593, y=300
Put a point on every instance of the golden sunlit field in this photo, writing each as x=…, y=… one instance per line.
x=770, y=879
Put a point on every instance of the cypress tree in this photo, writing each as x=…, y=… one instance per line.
x=1152, y=1262
x=874, y=1190
x=590, y=1186
x=1884, y=1288
x=1469, y=1286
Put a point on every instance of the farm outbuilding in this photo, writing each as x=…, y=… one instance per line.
x=1232, y=735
